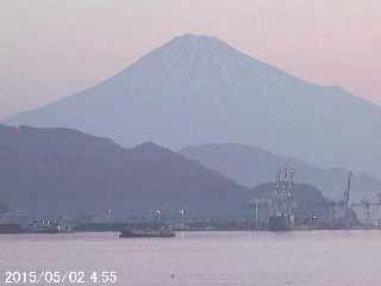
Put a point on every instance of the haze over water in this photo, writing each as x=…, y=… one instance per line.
x=206, y=258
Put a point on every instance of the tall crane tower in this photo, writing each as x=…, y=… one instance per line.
x=346, y=201
x=282, y=201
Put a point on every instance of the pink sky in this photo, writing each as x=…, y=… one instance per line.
x=50, y=49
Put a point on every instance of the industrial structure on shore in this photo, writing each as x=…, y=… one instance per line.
x=282, y=201
x=277, y=211
x=278, y=206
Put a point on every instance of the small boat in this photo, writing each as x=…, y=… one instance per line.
x=127, y=233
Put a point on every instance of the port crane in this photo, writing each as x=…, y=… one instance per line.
x=366, y=207
x=341, y=209
x=275, y=211
x=346, y=201
x=282, y=201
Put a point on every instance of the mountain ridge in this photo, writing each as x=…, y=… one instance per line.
x=196, y=90
x=54, y=172
x=251, y=166
x=51, y=172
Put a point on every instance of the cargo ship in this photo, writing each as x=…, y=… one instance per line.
x=165, y=233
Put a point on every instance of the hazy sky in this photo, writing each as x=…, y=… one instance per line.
x=52, y=48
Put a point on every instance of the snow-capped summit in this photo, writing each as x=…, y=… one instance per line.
x=197, y=89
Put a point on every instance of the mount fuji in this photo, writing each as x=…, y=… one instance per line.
x=198, y=89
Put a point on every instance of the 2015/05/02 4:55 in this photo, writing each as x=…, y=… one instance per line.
x=58, y=277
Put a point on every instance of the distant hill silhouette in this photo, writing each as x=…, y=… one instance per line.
x=52, y=172
x=251, y=166
x=198, y=90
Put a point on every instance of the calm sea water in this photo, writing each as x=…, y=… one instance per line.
x=205, y=258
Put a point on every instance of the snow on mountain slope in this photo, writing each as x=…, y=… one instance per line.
x=197, y=89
